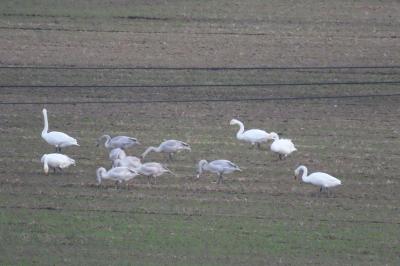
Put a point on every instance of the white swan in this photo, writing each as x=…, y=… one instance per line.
x=128, y=161
x=55, y=138
x=168, y=146
x=118, y=174
x=254, y=136
x=116, y=153
x=219, y=167
x=324, y=181
x=152, y=170
x=56, y=161
x=122, y=142
x=283, y=147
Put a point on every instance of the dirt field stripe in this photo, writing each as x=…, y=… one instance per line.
x=149, y=212
x=198, y=68
x=208, y=100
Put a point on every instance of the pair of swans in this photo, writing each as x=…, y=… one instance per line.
x=55, y=138
x=125, y=173
x=283, y=147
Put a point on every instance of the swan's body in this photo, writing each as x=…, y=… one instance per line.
x=55, y=138
x=169, y=146
x=152, y=170
x=122, y=142
x=283, y=147
x=323, y=180
x=128, y=161
x=56, y=161
x=219, y=167
x=117, y=153
x=254, y=136
x=118, y=174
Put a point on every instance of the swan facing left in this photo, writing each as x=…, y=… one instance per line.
x=283, y=147
x=323, y=180
x=117, y=174
x=219, y=167
x=122, y=142
x=56, y=161
x=253, y=136
x=55, y=138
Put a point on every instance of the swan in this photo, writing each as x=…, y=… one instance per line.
x=128, y=161
x=55, y=138
x=116, y=153
x=219, y=167
x=152, y=170
x=122, y=142
x=55, y=161
x=324, y=181
x=254, y=136
x=283, y=147
x=117, y=174
x=168, y=146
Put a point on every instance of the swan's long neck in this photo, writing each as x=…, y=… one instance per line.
x=100, y=174
x=46, y=124
x=150, y=149
x=304, y=175
x=202, y=166
x=241, y=129
x=45, y=166
x=107, y=142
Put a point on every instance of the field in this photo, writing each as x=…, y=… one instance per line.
x=159, y=70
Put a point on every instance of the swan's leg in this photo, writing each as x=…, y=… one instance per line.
x=155, y=180
x=54, y=170
x=259, y=145
x=148, y=179
x=170, y=158
x=220, y=179
x=280, y=157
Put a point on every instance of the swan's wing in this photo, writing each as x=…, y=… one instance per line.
x=255, y=134
x=56, y=138
x=123, y=141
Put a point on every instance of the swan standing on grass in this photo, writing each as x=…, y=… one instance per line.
x=152, y=170
x=117, y=174
x=122, y=142
x=254, y=136
x=168, y=146
x=56, y=161
x=283, y=147
x=128, y=161
x=219, y=167
x=324, y=181
x=55, y=138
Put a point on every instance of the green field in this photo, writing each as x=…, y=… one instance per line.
x=260, y=216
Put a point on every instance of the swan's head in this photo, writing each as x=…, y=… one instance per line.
x=234, y=122
x=273, y=136
x=298, y=171
x=99, y=174
x=45, y=165
x=44, y=111
x=200, y=167
x=100, y=139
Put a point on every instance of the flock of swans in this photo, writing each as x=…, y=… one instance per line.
x=125, y=168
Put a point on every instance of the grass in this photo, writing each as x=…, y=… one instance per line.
x=259, y=216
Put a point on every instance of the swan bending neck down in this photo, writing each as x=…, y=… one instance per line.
x=117, y=174
x=55, y=138
x=56, y=161
x=323, y=180
x=219, y=167
x=122, y=142
x=168, y=146
x=254, y=136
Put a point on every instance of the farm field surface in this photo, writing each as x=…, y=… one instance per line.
x=182, y=70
